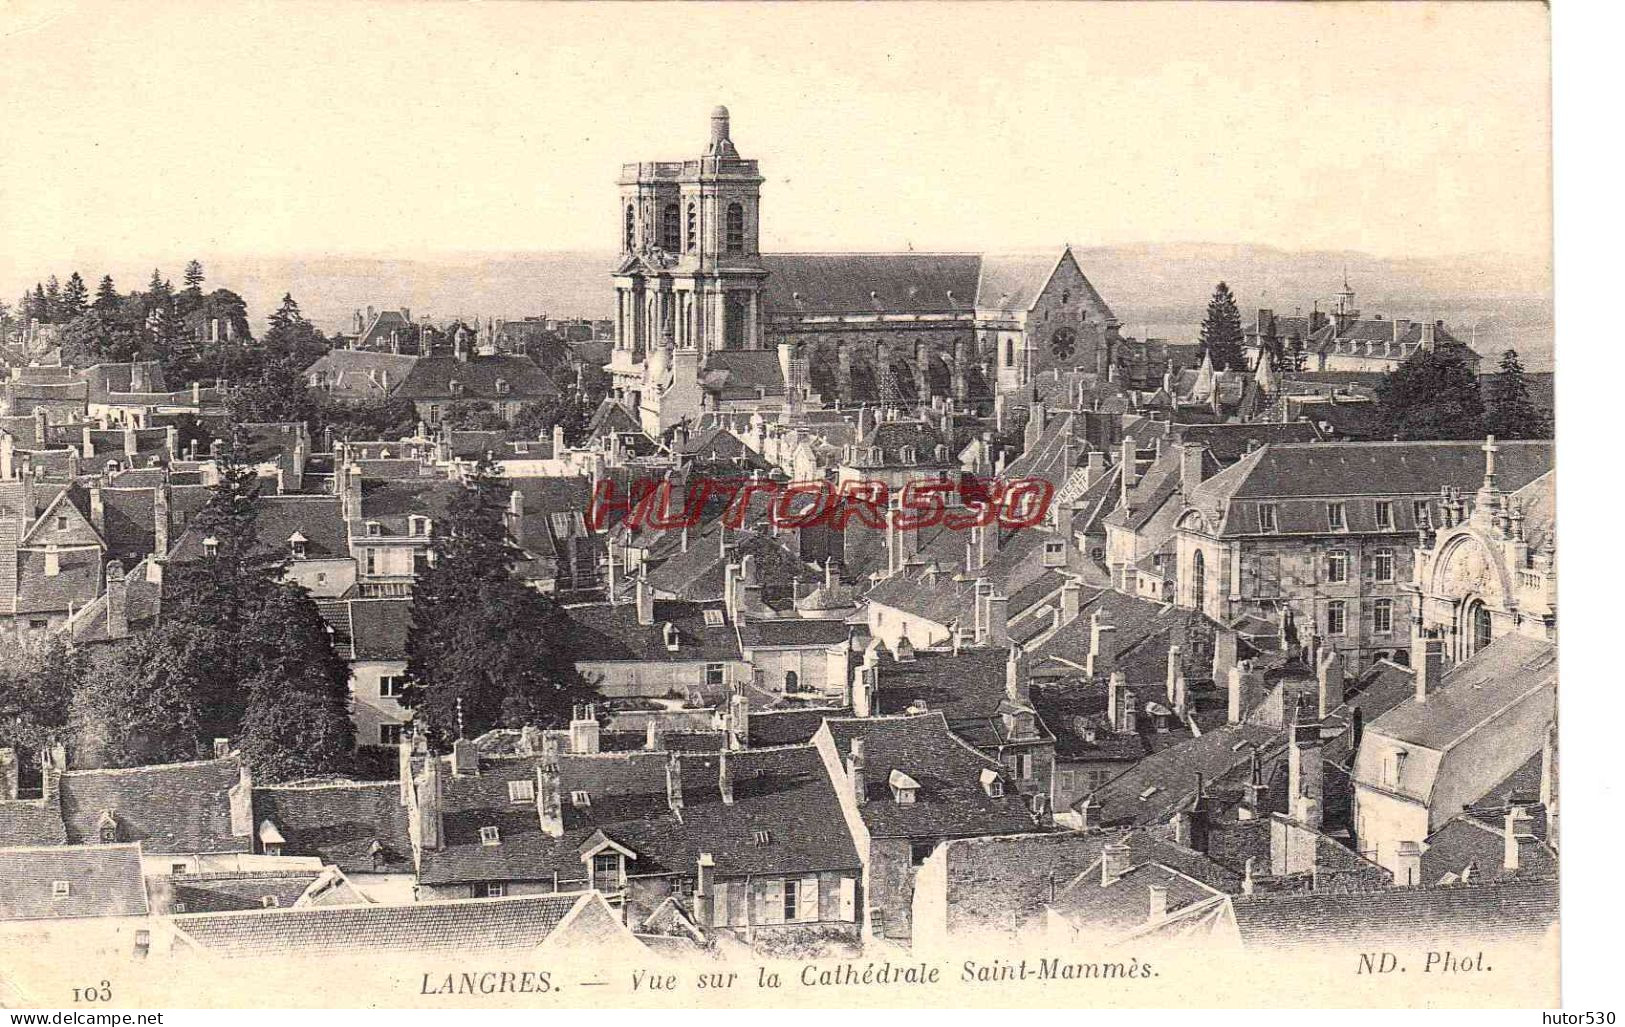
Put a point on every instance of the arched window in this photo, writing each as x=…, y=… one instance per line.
x=631, y=241
x=1199, y=581
x=791, y=682
x=1481, y=627
x=736, y=228
x=671, y=238
x=693, y=228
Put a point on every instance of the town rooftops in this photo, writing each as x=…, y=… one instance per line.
x=967, y=688
x=70, y=881
x=277, y=518
x=800, y=284
x=174, y=808
x=1473, y=692
x=465, y=925
x=498, y=378
x=611, y=632
x=359, y=827
x=25, y=822
x=1159, y=785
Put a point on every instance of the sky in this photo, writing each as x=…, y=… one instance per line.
x=147, y=133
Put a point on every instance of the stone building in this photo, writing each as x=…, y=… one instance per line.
x=692, y=286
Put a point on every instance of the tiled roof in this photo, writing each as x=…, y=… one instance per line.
x=1153, y=789
x=1468, y=841
x=276, y=520
x=76, y=584
x=221, y=893
x=431, y=379
x=951, y=801
x=30, y=822
x=340, y=822
x=868, y=283
x=1412, y=916
x=180, y=808
x=102, y=880
x=967, y=688
x=603, y=631
x=466, y=925
x=361, y=374
x=1229, y=442
x=790, y=726
x=701, y=573
x=379, y=628
x=791, y=631
x=1473, y=691
x=744, y=373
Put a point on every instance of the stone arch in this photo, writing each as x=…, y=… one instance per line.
x=1467, y=564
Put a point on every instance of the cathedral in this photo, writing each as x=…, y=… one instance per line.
x=705, y=321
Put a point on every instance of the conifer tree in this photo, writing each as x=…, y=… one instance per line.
x=1222, y=334
x=192, y=277
x=1510, y=413
x=74, y=298
x=107, y=298
x=1434, y=394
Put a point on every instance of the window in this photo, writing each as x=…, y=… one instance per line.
x=420, y=524
x=143, y=943
x=422, y=560
x=919, y=852
x=177, y=868
x=38, y=624
x=391, y=734
x=211, y=546
x=1385, y=515
x=1422, y=512
x=736, y=315
x=372, y=561
x=61, y=889
x=1382, y=561
x=1199, y=581
x=713, y=674
x=791, y=681
x=791, y=894
x=109, y=834
x=1337, y=566
x=1382, y=616
x=1335, y=617
x=296, y=548
x=374, y=529
x=1396, y=767
x=629, y=238
x=269, y=902
x=489, y=890
x=671, y=228
x=736, y=228
x=61, y=523
x=1009, y=353
x=391, y=686
x=606, y=872
x=1334, y=515
x=522, y=791
x=761, y=838
x=713, y=618
x=1024, y=767
x=579, y=798
x=490, y=836
x=693, y=228
x=1054, y=554
x=1266, y=517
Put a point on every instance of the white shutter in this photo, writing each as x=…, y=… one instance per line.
x=807, y=901
x=849, y=899
x=773, y=902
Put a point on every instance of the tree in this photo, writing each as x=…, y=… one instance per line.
x=537, y=418
x=280, y=393
x=1433, y=395
x=1221, y=331
x=1510, y=413
x=107, y=298
x=484, y=650
x=291, y=338
x=192, y=277
x=75, y=298
x=297, y=721
x=138, y=705
x=53, y=301
x=38, y=680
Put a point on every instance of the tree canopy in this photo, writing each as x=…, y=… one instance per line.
x=1509, y=412
x=1222, y=333
x=1434, y=394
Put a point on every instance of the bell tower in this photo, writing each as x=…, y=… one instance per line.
x=689, y=280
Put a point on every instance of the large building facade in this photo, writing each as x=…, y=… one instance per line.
x=694, y=292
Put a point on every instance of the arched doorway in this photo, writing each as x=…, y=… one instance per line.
x=1480, y=628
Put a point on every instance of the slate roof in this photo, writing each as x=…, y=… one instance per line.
x=1468, y=841
x=76, y=584
x=431, y=378
x=791, y=632
x=967, y=688
x=868, y=283
x=129, y=517
x=30, y=822
x=103, y=880
x=1170, y=775
x=340, y=822
x=791, y=725
x=603, y=631
x=463, y=925
x=1145, y=630
x=743, y=373
x=277, y=518
x=1412, y=916
x=179, y=808
x=379, y=628
x=1228, y=442
x=701, y=573
x=950, y=801
x=220, y=893
x=1472, y=692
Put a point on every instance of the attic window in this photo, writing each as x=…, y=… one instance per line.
x=1054, y=554
x=61, y=889
x=580, y=799
x=490, y=836
x=1334, y=515
x=521, y=791
x=1149, y=792
x=502, y=386
x=1266, y=517
x=713, y=618
x=903, y=788
x=669, y=633
x=211, y=546
x=992, y=783
x=62, y=523
x=297, y=544
x=761, y=837
x=374, y=529
x=269, y=902
x=456, y=387
x=420, y=524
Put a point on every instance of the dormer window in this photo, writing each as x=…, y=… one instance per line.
x=456, y=387
x=61, y=889
x=580, y=799
x=992, y=783
x=1266, y=518
x=502, y=386
x=490, y=836
x=269, y=902
x=669, y=633
x=297, y=545
x=374, y=529
x=1054, y=554
x=419, y=525
x=1334, y=516
x=761, y=838
x=903, y=788
x=211, y=546
x=107, y=828
x=713, y=618
x=522, y=791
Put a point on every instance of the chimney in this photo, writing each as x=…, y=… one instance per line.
x=1246, y=686
x=1017, y=681
x=1408, y=864
x=1429, y=336
x=1088, y=814
x=1190, y=467
x=8, y=455
x=1037, y=415
x=1071, y=601
x=854, y=773
x=1329, y=675
x=131, y=445
x=1114, y=862
x=654, y=739
x=53, y=764
x=1519, y=829
x=240, y=798
x=1121, y=704
x=1224, y=653
x=53, y=561
x=998, y=620
x=118, y=612
x=725, y=778
x=1175, y=672
x=584, y=730
x=674, y=783
x=42, y=424
x=1305, y=775
x=530, y=740
x=465, y=758
x=1102, y=657
x=705, y=891
x=864, y=682
x=431, y=811
x=646, y=600
x=98, y=511
x=739, y=721
x=1159, y=903
x=550, y=797
x=1427, y=664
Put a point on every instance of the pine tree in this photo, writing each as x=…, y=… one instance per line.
x=484, y=650
x=1221, y=331
x=159, y=291
x=297, y=721
x=74, y=298
x=1433, y=395
x=40, y=309
x=53, y=300
x=287, y=315
x=107, y=298
x=1510, y=413
x=138, y=705
x=192, y=277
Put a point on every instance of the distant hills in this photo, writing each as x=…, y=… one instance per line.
x=1497, y=301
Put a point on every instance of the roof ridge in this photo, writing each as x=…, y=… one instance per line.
x=154, y=766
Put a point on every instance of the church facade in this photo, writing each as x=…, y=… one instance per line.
x=695, y=295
